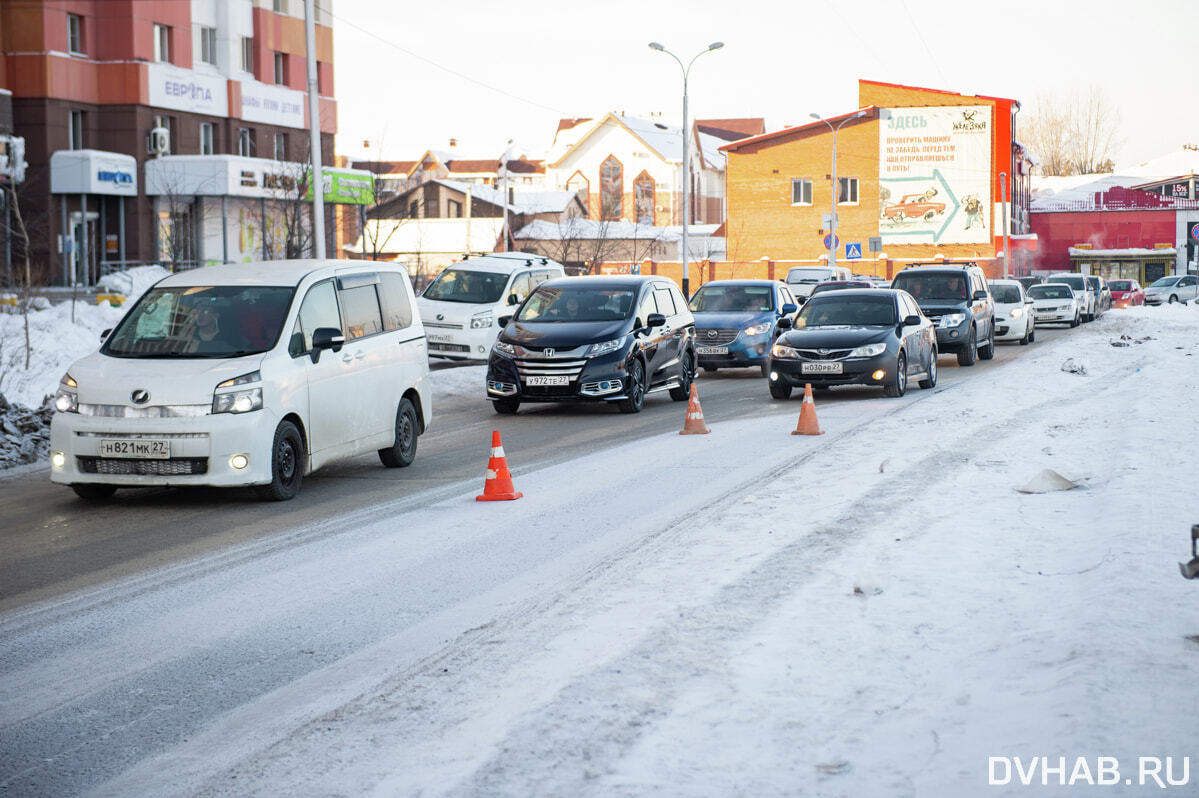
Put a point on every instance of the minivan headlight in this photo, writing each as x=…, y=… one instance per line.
x=482, y=321
x=605, y=347
x=869, y=350
x=66, y=399
x=952, y=319
x=505, y=348
x=237, y=401
x=758, y=329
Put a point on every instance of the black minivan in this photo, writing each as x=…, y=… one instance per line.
x=600, y=338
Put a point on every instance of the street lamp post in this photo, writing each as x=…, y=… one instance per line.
x=832, y=258
x=686, y=152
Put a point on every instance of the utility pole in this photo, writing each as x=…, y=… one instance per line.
x=314, y=134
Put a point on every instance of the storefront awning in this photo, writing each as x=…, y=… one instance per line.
x=93, y=172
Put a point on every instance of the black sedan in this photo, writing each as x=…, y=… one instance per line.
x=858, y=336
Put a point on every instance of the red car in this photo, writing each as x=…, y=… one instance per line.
x=1126, y=293
x=913, y=206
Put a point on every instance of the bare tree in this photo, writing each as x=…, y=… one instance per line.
x=25, y=279
x=1075, y=134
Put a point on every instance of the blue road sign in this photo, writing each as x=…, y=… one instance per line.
x=830, y=242
x=1195, y=232
x=635, y=268
x=853, y=250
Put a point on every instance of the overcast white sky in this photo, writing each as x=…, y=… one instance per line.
x=409, y=76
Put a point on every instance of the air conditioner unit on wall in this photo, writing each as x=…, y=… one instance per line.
x=158, y=141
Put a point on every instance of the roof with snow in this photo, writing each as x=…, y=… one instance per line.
x=665, y=140
x=399, y=236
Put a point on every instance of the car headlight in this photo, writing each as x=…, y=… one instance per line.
x=1016, y=313
x=481, y=321
x=66, y=399
x=606, y=346
x=780, y=352
x=952, y=319
x=237, y=401
x=758, y=329
x=869, y=350
x=504, y=348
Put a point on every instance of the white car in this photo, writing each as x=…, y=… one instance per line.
x=1055, y=303
x=462, y=307
x=1175, y=288
x=249, y=374
x=1081, y=286
x=802, y=279
x=1014, y=318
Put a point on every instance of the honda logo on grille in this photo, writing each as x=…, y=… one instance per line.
x=548, y=353
x=140, y=396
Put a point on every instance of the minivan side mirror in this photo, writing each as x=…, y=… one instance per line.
x=513, y=299
x=326, y=338
x=1028, y=300
x=980, y=294
x=785, y=322
x=503, y=321
x=104, y=335
x=789, y=308
x=655, y=320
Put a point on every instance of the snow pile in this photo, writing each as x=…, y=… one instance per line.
x=132, y=283
x=24, y=434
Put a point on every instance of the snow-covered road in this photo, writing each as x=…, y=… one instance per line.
x=875, y=611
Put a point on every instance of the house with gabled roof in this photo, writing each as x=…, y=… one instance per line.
x=632, y=169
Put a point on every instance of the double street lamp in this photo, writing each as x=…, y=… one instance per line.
x=832, y=258
x=686, y=151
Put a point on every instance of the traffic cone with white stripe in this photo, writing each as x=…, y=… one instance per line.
x=694, y=423
x=807, y=415
x=498, y=487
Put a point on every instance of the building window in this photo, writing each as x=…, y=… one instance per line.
x=643, y=198
x=162, y=43
x=279, y=6
x=206, y=138
x=208, y=45
x=75, y=33
x=847, y=191
x=611, y=188
x=280, y=69
x=76, y=131
x=453, y=209
x=245, y=142
x=280, y=146
x=247, y=54
x=801, y=191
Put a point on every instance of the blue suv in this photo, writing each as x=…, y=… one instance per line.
x=736, y=321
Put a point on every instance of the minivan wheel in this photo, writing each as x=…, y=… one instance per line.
x=506, y=407
x=402, y=451
x=1173, y=299
x=635, y=393
x=932, y=372
x=967, y=356
x=900, y=386
x=287, y=465
x=93, y=492
x=686, y=376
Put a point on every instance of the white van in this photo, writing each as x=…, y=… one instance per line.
x=802, y=279
x=462, y=306
x=253, y=374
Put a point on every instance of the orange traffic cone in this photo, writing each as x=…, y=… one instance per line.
x=498, y=487
x=807, y=415
x=694, y=423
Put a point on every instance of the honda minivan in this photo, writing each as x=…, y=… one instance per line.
x=254, y=374
x=461, y=306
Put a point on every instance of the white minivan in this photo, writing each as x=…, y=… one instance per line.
x=802, y=279
x=462, y=306
x=248, y=374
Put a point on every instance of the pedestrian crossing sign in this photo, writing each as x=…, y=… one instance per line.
x=853, y=250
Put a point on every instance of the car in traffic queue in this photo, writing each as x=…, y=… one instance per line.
x=1055, y=303
x=1083, y=292
x=1126, y=293
x=736, y=321
x=253, y=374
x=1014, y=319
x=955, y=298
x=1103, y=294
x=603, y=338
x=801, y=279
x=460, y=308
x=837, y=285
x=860, y=336
x=1174, y=288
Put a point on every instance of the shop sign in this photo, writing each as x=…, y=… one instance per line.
x=187, y=90
x=346, y=187
x=271, y=105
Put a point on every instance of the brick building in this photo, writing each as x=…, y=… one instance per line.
x=919, y=175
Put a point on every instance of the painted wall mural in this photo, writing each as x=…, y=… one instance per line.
x=935, y=175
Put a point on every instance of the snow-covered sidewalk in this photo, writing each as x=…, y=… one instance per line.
x=879, y=613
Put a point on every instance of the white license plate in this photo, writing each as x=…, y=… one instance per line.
x=550, y=380
x=821, y=368
x=711, y=350
x=138, y=448
x=444, y=339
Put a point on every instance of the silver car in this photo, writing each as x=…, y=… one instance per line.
x=1175, y=288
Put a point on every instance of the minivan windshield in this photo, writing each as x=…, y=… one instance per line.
x=733, y=299
x=557, y=303
x=841, y=310
x=1165, y=281
x=813, y=275
x=1006, y=294
x=207, y=321
x=1075, y=281
x=467, y=285
x=934, y=287
x=1050, y=292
